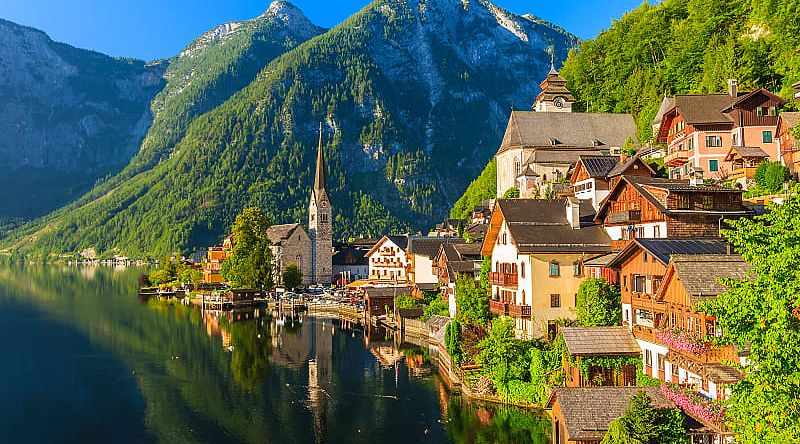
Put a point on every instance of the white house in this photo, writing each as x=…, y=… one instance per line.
x=389, y=260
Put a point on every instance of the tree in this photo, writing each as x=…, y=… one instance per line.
x=499, y=349
x=644, y=424
x=511, y=193
x=452, y=341
x=762, y=312
x=160, y=276
x=190, y=275
x=406, y=301
x=629, y=148
x=598, y=303
x=460, y=228
x=770, y=176
x=292, y=277
x=250, y=264
x=486, y=268
x=472, y=302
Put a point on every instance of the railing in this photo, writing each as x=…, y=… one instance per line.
x=676, y=158
x=744, y=172
x=520, y=311
x=504, y=279
x=625, y=217
x=498, y=307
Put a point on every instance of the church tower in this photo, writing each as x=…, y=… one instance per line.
x=555, y=97
x=319, y=223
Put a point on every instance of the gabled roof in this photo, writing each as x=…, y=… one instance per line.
x=666, y=105
x=745, y=151
x=703, y=109
x=601, y=261
x=400, y=241
x=571, y=130
x=663, y=249
x=386, y=292
x=541, y=226
x=587, y=411
x=598, y=166
x=429, y=246
x=621, y=167
x=792, y=119
x=560, y=156
x=700, y=274
x=350, y=256
x=744, y=97
x=600, y=341
x=279, y=233
x=468, y=251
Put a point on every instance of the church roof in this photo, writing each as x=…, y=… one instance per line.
x=320, y=182
x=589, y=131
x=279, y=233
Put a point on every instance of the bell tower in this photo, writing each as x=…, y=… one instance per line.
x=319, y=223
x=555, y=97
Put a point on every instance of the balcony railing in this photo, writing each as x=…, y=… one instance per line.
x=498, y=307
x=676, y=158
x=519, y=311
x=503, y=279
x=743, y=172
x=625, y=217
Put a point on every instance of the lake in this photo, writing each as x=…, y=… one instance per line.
x=87, y=360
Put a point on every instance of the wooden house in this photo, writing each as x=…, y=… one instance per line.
x=584, y=343
x=594, y=176
x=452, y=261
x=377, y=300
x=744, y=162
x=788, y=143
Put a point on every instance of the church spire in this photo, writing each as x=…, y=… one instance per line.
x=320, y=184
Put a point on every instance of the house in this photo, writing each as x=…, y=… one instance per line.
x=744, y=162
x=788, y=142
x=421, y=254
x=481, y=214
x=539, y=147
x=649, y=207
x=241, y=296
x=388, y=259
x=599, y=268
x=599, y=342
x=377, y=300
x=452, y=261
x=537, y=249
x=700, y=129
x=350, y=263
x=582, y=415
x=212, y=266
x=448, y=228
x=643, y=263
x=291, y=245
x=593, y=176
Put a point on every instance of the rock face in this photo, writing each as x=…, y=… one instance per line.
x=66, y=115
x=414, y=95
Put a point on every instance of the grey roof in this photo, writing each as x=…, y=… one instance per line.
x=792, y=119
x=622, y=167
x=749, y=151
x=386, y=292
x=588, y=411
x=700, y=109
x=437, y=321
x=663, y=249
x=722, y=374
x=601, y=261
x=570, y=130
x=604, y=341
x=279, y=233
x=429, y=246
x=400, y=241
x=599, y=166
x=700, y=273
x=560, y=156
x=666, y=105
x=350, y=256
x=468, y=251
x=540, y=225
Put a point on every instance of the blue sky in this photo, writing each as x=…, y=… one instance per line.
x=150, y=29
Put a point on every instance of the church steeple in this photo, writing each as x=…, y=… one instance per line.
x=319, y=222
x=320, y=183
x=555, y=97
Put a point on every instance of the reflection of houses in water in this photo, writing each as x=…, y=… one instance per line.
x=212, y=318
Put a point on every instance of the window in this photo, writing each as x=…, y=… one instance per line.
x=625, y=312
x=766, y=136
x=660, y=360
x=648, y=358
x=576, y=269
x=555, y=300
x=759, y=111
x=646, y=257
x=708, y=202
x=554, y=271
x=505, y=238
x=657, y=231
x=639, y=283
x=734, y=139
x=674, y=370
x=713, y=165
x=690, y=145
x=773, y=111
x=323, y=217
x=682, y=201
x=713, y=141
x=522, y=271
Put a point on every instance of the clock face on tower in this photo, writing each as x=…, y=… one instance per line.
x=558, y=102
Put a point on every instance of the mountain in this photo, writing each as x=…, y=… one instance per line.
x=68, y=117
x=414, y=95
x=686, y=46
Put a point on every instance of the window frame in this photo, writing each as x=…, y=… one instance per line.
x=765, y=134
x=555, y=300
x=713, y=165
x=557, y=269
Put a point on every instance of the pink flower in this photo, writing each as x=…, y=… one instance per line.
x=695, y=405
x=681, y=341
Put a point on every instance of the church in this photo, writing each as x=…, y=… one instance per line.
x=312, y=252
x=541, y=146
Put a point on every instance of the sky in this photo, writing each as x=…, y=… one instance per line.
x=153, y=29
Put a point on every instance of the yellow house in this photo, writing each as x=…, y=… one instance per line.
x=538, y=248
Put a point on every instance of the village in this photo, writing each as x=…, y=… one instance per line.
x=582, y=211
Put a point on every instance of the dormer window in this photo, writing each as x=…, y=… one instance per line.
x=554, y=141
x=596, y=142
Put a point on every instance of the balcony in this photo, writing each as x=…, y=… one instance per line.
x=503, y=279
x=676, y=158
x=743, y=173
x=519, y=311
x=498, y=307
x=625, y=217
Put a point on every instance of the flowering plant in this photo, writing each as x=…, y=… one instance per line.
x=681, y=341
x=692, y=403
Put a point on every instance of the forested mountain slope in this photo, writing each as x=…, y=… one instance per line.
x=414, y=96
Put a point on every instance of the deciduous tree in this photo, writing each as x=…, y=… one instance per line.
x=250, y=264
x=598, y=304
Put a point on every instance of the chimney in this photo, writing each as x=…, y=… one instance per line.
x=697, y=177
x=733, y=87
x=574, y=212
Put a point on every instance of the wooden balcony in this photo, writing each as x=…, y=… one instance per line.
x=498, y=307
x=743, y=173
x=676, y=158
x=503, y=279
x=519, y=311
x=625, y=217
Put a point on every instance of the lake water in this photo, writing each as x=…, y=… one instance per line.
x=86, y=360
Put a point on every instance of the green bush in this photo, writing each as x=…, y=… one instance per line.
x=598, y=304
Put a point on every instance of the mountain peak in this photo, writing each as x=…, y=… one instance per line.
x=285, y=11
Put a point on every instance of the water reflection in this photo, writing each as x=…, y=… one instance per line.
x=179, y=374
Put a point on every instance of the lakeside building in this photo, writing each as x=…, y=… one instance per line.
x=700, y=129
x=594, y=176
x=452, y=261
x=291, y=245
x=350, y=263
x=788, y=142
x=320, y=222
x=389, y=260
x=421, y=254
x=212, y=266
x=448, y=228
x=649, y=207
x=538, y=248
x=540, y=146
x=599, y=342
